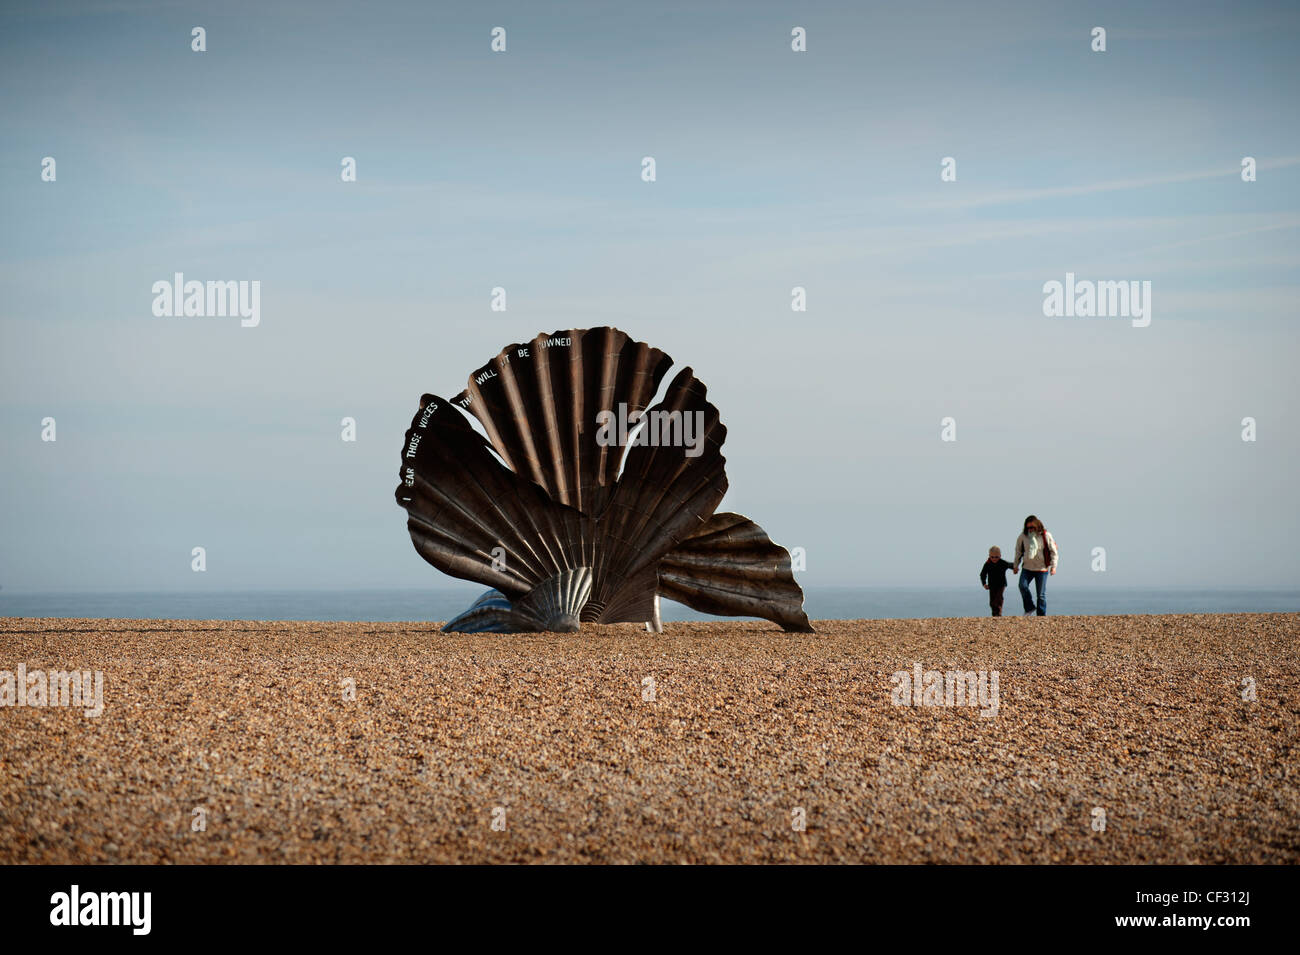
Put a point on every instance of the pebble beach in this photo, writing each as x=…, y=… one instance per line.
x=1117, y=739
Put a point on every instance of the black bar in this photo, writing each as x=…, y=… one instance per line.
x=306, y=904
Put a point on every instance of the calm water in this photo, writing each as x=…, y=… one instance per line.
x=442, y=604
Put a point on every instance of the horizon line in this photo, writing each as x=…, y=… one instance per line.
x=1137, y=588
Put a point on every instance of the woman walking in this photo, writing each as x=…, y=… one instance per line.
x=1036, y=553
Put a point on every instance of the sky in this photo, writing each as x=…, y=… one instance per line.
x=775, y=169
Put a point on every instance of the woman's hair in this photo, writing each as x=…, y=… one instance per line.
x=1034, y=525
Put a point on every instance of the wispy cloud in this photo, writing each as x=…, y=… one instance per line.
x=1113, y=185
x=1292, y=223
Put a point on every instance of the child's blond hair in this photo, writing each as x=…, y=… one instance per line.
x=995, y=549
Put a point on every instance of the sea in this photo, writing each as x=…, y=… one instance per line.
x=821, y=603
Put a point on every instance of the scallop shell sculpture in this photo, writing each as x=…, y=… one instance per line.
x=570, y=519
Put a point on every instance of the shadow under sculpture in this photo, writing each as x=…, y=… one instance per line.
x=583, y=504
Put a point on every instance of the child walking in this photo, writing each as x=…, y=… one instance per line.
x=993, y=575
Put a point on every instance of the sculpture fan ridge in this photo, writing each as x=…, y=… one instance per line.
x=558, y=532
